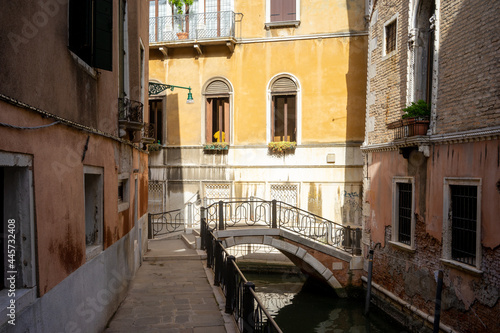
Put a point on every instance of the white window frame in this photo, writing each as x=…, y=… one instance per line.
x=395, y=212
x=447, y=224
x=27, y=294
x=268, y=22
x=393, y=19
x=124, y=179
x=298, y=107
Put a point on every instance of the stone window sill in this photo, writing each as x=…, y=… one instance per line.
x=92, y=251
x=462, y=267
x=402, y=246
x=282, y=24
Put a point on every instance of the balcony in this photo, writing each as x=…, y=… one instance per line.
x=130, y=114
x=182, y=30
x=149, y=133
x=409, y=127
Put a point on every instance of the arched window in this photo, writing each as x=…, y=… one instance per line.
x=422, y=48
x=217, y=115
x=283, y=110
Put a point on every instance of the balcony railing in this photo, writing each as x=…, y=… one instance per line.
x=404, y=128
x=192, y=26
x=130, y=113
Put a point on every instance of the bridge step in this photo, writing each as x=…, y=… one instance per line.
x=171, y=249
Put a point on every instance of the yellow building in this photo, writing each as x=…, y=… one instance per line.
x=260, y=71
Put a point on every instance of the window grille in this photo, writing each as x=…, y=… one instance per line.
x=285, y=192
x=390, y=37
x=218, y=191
x=404, y=212
x=156, y=201
x=463, y=223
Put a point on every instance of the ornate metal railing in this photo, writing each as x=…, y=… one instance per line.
x=192, y=26
x=166, y=222
x=241, y=299
x=277, y=214
x=149, y=131
x=130, y=110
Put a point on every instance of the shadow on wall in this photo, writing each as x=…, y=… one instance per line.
x=355, y=112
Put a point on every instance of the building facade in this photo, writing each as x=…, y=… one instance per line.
x=431, y=198
x=73, y=196
x=263, y=74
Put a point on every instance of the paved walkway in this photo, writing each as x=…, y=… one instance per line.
x=172, y=292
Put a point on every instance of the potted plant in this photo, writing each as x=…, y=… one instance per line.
x=416, y=117
x=280, y=147
x=179, y=7
x=154, y=146
x=216, y=146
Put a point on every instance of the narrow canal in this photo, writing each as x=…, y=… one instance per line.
x=303, y=305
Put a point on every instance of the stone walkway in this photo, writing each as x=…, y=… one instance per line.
x=172, y=292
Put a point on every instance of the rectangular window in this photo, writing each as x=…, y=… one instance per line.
x=463, y=223
x=91, y=31
x=217, y=127
x=404, y=213
x=17, y=234
x=390, y=37
x=403, y=220
x=283, y=10
x=93, y=191
x=156, y=119
x=284, y=125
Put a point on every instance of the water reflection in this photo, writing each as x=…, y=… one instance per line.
x=299, y=306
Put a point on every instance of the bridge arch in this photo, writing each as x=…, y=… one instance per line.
x=334, y=267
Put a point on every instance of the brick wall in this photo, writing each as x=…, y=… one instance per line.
x=469, y=66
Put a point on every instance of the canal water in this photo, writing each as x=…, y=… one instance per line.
x=303, y=305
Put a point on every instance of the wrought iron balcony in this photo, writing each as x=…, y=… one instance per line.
x=130, y=114
x=192, y=27
x=404, y=128
x=149, y=133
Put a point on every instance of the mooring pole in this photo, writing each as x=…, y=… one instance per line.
x=369, y=283
x=437, y=309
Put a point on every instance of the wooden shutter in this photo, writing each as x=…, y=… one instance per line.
x=289, y=10
x=227, y=125
x=272, y=119
x=80, y=29
x=284, y=85
x=209, y=120
x=276, y=10
x=103, y=34
x=217, y=88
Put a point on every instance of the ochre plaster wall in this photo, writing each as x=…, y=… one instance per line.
x=331, y=75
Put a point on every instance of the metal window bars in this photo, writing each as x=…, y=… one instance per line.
x=463, y=223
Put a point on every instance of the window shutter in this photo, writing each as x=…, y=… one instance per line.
x=289, y=10
x=103, y=35
x=226, y=121
x=217, y=88
x=276, y=10
x=284, y=85
x=80, y=29
x=208, y=129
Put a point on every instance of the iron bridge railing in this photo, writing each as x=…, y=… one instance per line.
x=277, y=214
x=242, y=301
x=192, y=26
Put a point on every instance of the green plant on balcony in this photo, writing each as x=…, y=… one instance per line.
x=216, y=146
x=420, y=110
x=280, y=147
x=179, y=7
x=154, y=146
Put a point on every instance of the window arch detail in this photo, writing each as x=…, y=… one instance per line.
x=218, y=111
x=284, y=109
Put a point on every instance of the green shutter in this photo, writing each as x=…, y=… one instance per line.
x=103, y=34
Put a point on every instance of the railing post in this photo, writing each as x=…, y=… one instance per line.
x=150, y=226
x=210, y=250
x=203, y=227
x=248, y=308
x=274, y=223
x=190, y=215
x=221, y=215
x=329, y=235
x=252, y=208
x=347, y=237
x=230, y=285
x=357, y=242
x=218, y=262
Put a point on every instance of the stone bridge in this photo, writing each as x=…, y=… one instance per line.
x=338, y=268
